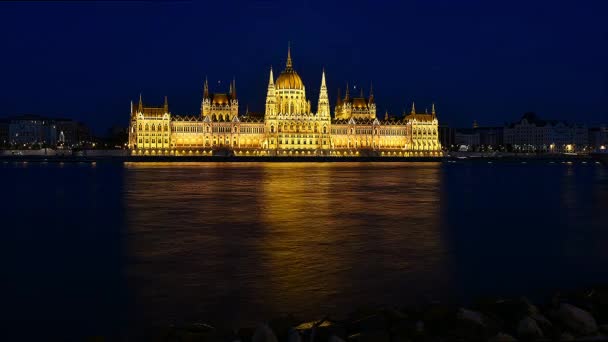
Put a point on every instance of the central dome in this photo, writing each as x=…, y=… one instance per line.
x=289, y=78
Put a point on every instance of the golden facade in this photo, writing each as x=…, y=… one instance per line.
x=288, y=127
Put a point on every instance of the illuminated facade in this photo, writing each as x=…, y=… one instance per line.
x=288, y=127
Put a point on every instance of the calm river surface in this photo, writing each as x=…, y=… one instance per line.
x=100, y=249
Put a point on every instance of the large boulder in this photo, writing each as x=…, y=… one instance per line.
x=370, y=336
x=294, y=336
x=320, y=330
x=282, y=325
x=195, y=332
x=473, y=326
x=577, y=320
x=502, y=337
x=263, y=333
x=527, y=328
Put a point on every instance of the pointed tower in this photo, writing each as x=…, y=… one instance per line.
x=166, y=106
x=234, y=102
x=206, y=102
x=433, y=110
x=346, y=96
x=323, y=108
x=271, y=99
x=140, y=108
x=233, y=89
x=288, y=64
x=371, y=103
x=413, y=108
x=206, y=89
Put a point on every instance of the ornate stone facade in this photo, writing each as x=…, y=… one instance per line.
x=288, y=127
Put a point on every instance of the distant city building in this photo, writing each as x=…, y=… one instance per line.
x=27, y=130
x=288, y=126
x=71, y=133
x=598, y=138
x=446, y=136
x=4, y=132
x=491, y=136
x=466, y=138
x=32, y=129
x=531, y=134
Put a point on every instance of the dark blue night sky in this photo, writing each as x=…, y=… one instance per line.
x=484, y=60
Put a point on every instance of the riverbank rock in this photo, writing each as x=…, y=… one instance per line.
x=577, y=320
x=529, y=329
x=294, y=336
x=473, y=326
x=263, y=333
x=502, y=337
x=370, y=336
x=320, y=330
x=281, y=326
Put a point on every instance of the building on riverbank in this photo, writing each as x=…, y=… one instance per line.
x=4, y=135
x=598, y=138
x=532, y=134
x=288, y=127
x=30, y=130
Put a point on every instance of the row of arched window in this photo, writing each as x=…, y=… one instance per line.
x=153, y=127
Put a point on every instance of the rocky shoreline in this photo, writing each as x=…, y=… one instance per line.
x=575, y=316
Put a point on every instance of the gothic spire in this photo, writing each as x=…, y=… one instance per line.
x=433, y=109
x=166, y=106
x=371, y=93
x=323, y=79
x=413, y=108
x=289, y=64
x=271, y=79
x=339, y=101
x=206, y=89
x=346, y=98
x=141, y=104
x=233, y=88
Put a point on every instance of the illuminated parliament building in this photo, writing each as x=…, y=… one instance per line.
x=289, y=127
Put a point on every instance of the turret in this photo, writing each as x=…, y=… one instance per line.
x=166, y=106
x=346, y=96
x=141, y=105
x=205, y=89
x=271, y=109
x=413, y=108
x=288, y=64
x=323, y=107
x=371, y=93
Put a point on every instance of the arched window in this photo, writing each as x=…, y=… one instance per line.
x=140, y=127
x=271, y=129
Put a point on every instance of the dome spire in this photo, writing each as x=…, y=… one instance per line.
x=271, y=79
x=346, y=97
x=205, y=89
x=413, y=108
x=289, y=64
x=323, y=78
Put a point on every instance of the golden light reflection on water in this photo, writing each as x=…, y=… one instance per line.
x=270, y=238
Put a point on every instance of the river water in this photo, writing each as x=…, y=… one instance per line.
x=110, y=247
